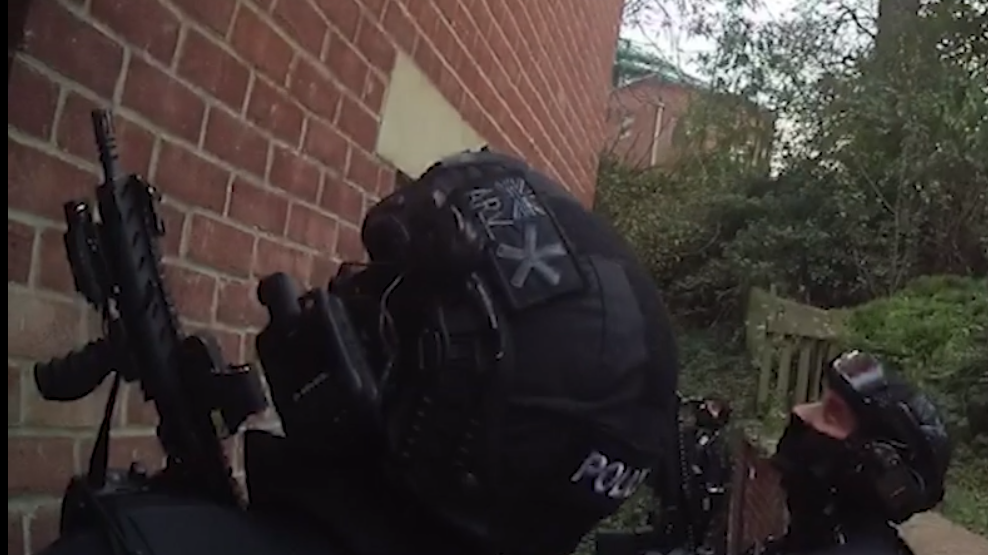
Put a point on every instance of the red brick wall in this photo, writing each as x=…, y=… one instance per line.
x=642, y=101
x=257, y=119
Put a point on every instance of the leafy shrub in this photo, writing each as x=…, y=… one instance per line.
x=715, y=363
x=879, y=173
x=879, y=178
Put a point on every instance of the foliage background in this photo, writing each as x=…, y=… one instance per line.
x=874, y=198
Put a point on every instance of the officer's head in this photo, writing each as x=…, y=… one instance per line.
x=873, y=435
x=525, y=362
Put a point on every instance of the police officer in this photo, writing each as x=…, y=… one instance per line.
x=870, y=454
x=529, y=367
x=497, y=379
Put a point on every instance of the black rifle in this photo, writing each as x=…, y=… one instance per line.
x=200, y=400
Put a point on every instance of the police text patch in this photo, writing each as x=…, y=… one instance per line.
x=526, y=248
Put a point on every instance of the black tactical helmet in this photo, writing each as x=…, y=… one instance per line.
x=534, y=366
x=902, y=439
x=501, y=371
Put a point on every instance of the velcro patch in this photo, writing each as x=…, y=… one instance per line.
x=526, y=248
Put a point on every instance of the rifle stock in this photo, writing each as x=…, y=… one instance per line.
x=116, y=266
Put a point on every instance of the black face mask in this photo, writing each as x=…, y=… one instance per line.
x=802, y=446
x=826, y=498
x=810, y=464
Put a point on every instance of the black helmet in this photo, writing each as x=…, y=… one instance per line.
x=524, y=363
x=902, y=439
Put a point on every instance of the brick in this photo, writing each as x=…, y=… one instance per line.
x=346, y=64
x=70, y=46
x=31, y=100
x=214, y=14
x=248, y=347
x=234, y=141
x=145, y=24
x=473, y=75
x=15, y=532
x=173, y=219
x=137, y=412
x=85, y=413
x=185, y=176
x=343, y=200
x=163, y=100
x=368, y=204
x=425, y=16
x=54, y=272
x=324, y=143
x=38, y=465
x=206, y=64
x=14, y=416
x=456, y=57
x=456, y=15
x=349, y=247
x=375, y=46
x=343, y=14
x=373, y=93
x=75, y=135
x=362, y=170
x=238, y=305
x=312, y=228
x=228, y=341
x=545, y=127
x=270, y=108
x=258, y=42
x=315, y=91
x=20, y=247
x=450, y=87
x=125, y=449
x=301, y=22
x=192, y=292
x=39, y=183
x=359, y=124
x=324, y=269
x=258, y=207
x=39, y=328
x=136, y=146
x=386, y=178
x=274, y=257
x=220, y=246
x=400, y=27
x=294, y=175
x=43, y=525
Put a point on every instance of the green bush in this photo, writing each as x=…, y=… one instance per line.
x=878, y=178
x=878, y=175
x=714, y=362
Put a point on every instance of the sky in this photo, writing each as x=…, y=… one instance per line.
x=680, y=49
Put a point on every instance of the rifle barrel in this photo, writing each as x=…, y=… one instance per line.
x=106, y=144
